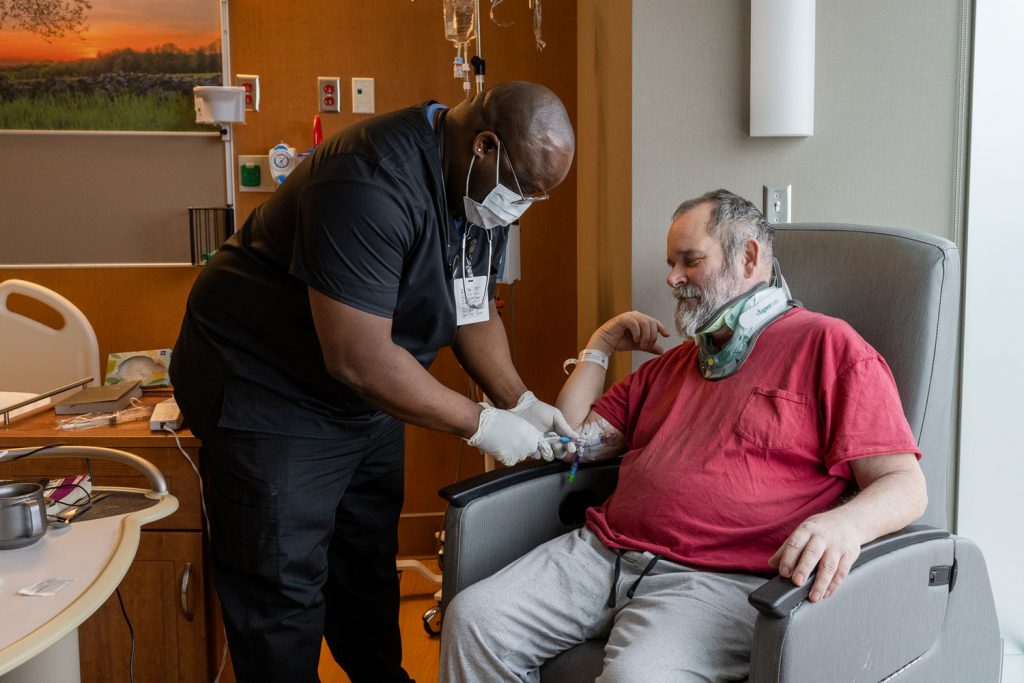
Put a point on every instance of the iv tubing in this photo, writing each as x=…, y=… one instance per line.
x=479, y=50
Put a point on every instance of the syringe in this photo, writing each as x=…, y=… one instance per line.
x=573, y=446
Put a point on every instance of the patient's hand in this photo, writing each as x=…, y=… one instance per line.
x=631, y=331
x=828, y=542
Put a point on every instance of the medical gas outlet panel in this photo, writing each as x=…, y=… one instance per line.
x=265, y=172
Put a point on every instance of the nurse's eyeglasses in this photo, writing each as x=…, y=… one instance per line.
x=539, y=197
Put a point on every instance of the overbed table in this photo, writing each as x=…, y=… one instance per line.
x=39, y=634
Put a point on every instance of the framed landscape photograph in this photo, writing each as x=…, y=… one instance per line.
x=122, y=65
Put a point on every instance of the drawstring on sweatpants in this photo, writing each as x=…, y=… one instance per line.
x=649, y=567
x=615, y=575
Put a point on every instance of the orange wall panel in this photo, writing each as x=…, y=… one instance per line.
x=129, y=308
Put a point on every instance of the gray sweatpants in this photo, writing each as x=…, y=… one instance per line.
x=680, y=624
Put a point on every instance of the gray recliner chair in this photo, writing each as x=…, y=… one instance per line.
x=917, y=606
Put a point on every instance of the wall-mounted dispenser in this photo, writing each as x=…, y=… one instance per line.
x=219, y=104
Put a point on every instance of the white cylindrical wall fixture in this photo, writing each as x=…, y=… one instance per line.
x=781, y=68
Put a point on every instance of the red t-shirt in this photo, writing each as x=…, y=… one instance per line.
x=718, y=474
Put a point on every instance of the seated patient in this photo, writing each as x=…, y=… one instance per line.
x=739, y=445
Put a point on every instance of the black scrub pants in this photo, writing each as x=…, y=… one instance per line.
x=304, y=534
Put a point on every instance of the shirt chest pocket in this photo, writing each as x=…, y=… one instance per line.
x=774, y=419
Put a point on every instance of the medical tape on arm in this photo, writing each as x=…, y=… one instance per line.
x=600, y=440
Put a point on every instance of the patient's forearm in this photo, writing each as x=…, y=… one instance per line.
x=584, y=386
x=893, y=494
x=887, y=504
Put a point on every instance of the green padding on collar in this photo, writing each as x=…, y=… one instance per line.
x=720, y=363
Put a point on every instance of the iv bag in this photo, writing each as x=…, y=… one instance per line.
x=460, y=21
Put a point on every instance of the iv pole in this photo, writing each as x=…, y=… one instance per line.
x=225, y=130
x=478, y=63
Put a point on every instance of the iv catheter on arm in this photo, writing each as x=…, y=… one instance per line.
x=573, y=447
x=598, y=439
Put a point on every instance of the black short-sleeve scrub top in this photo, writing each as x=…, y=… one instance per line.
x=361, y=220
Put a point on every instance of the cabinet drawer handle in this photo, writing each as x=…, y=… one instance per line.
x=186, y=574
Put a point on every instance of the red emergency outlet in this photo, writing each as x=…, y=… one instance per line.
x=329, y=94
x=251, y=84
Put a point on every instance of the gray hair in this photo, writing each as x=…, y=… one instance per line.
x=733, y=221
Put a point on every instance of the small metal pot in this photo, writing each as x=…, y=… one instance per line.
x=22, y=514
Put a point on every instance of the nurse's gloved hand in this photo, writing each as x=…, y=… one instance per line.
x=509, y=438
x=563, y=450
x=543, y=416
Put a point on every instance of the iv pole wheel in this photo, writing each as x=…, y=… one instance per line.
x=432, y=621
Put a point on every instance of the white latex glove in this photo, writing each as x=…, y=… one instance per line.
x=509, y=438
x=543, y=416
x=566, y=452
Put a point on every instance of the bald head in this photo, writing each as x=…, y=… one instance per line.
x=527, y=111
x=532, y=123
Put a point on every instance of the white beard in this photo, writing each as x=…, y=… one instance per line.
x=694, y=307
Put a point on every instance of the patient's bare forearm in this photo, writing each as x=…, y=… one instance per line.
x=893, y=494
x=887, y=504
x=601, y=440
x=581, y=389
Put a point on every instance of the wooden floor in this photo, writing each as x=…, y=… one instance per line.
x=420, y=652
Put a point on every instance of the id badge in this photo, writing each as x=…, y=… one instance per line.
x=471, y=290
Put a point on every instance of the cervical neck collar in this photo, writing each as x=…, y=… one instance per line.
x=746, y=315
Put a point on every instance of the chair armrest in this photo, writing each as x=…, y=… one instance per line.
x=464, y=492
x=778, y=596
x=497, y=517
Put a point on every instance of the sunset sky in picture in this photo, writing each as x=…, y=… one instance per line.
x=117, y=24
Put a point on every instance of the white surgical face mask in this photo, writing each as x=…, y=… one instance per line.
x=500, y=207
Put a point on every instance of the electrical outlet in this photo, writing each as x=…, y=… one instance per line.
x=778, y=203
x=362, y=96
x=328, y=90
x=251, y=83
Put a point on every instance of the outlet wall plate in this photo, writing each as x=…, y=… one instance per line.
x=328, y=90
x=251, y=83
x=363, y=96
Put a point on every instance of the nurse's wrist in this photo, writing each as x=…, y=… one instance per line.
x=507, y=397
x=471, y=422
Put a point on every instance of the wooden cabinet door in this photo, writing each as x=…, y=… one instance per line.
x=170, y=638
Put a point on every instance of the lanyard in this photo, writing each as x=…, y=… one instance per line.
x=465, y=272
